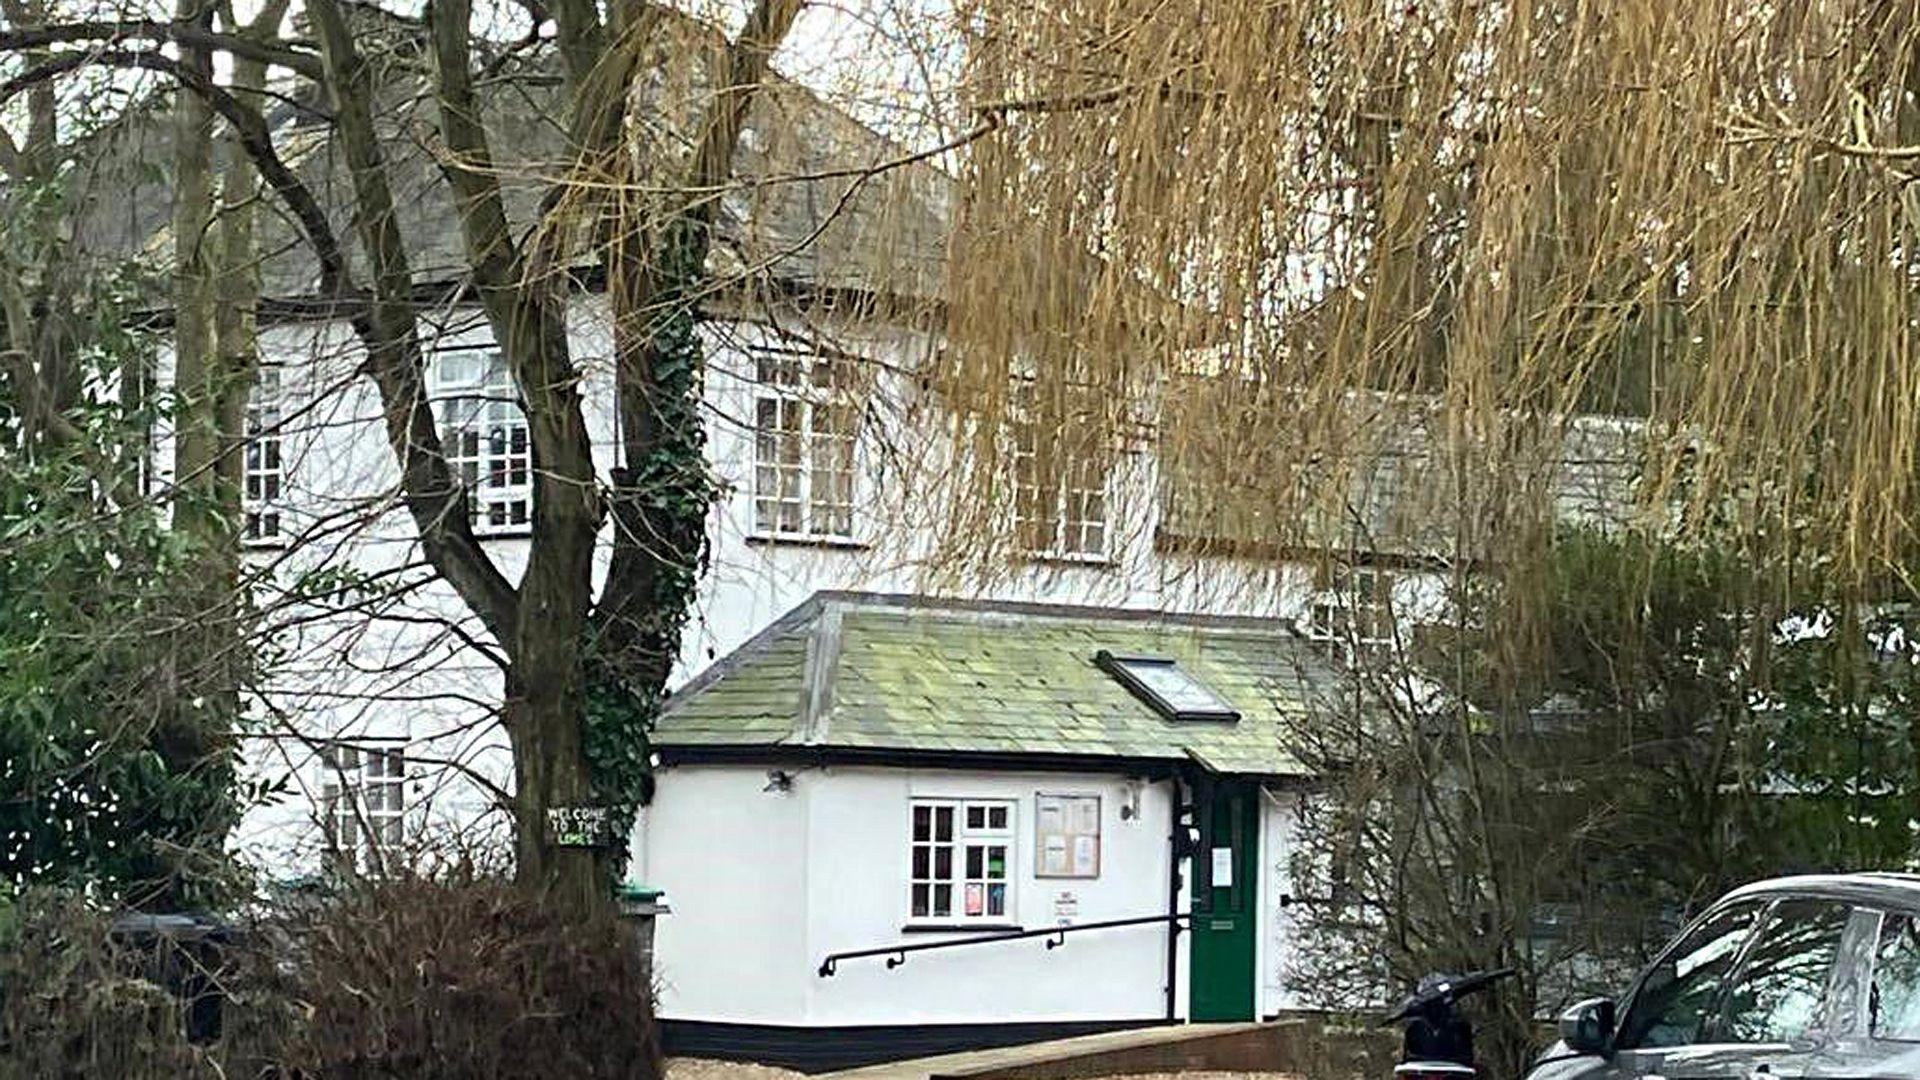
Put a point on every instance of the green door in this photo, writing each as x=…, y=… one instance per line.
x=1226, y=894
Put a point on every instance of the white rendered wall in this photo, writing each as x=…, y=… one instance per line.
x=403, y=671
x=1279, y=839
x=734, y=861
x=765, y=884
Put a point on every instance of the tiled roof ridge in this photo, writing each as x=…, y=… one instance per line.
x=948, y=605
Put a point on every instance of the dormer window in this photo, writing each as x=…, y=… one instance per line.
x=1171, y=690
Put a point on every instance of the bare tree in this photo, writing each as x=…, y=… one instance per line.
x=583, y=672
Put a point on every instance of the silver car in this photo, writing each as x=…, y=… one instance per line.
x=1794, y=977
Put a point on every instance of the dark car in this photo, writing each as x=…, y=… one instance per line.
x=1794, y=977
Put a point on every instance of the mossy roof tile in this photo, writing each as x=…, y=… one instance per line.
x=919, y=674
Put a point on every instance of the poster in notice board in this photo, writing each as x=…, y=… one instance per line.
x=1066, y=835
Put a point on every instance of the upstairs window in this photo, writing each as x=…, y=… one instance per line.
x=363, y=805
x=1059, y=486
x=1353, y=605
x=805, y=426
x=263, y=464
x=960, y=858
x=484, y=434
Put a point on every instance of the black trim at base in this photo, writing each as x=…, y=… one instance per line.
x=825, y=1049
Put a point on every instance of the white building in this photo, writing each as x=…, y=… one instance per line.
x=1013, y=783
x=895, y=825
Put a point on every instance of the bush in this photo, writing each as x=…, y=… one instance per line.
x=456, y=978
x=75, y=1004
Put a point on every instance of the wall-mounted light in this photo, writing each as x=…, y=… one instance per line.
x=779, y=780
x=1130, y=801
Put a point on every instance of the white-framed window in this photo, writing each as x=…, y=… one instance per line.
x=263, y=475
x=1353, y=605
x=483, y=431
x=363, y=804
x=961, y=857
x=806, y=425
x=1060, y=481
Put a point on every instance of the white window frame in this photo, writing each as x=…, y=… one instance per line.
x=962, y=875
x=484, y=434
x=1068, y=517
x=1354, y=606
x=362, y=804
x=806, y=436
x=263, y=463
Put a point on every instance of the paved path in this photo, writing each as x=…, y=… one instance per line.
x=1001, y=1057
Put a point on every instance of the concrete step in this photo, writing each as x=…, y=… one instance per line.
x=1244, y=1047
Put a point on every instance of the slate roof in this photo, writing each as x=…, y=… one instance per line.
x=1229, y=493
x=800, y=215
x=880, y=672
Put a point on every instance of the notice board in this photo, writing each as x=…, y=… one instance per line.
x=1066, y=841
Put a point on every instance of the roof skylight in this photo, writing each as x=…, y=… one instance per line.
x=1162, y=683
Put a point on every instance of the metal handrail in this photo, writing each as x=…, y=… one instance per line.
x=1057, y=935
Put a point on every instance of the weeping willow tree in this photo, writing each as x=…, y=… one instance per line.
x=1280, y=244
x=1293, y=233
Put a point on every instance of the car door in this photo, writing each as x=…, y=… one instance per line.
x=1777, y=1011
x=1881, y=1038
x=1744, y=994
x=1671, y=1003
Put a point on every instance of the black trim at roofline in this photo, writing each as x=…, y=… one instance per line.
x=826, y=1049
x=582, y=280
x=1150, y=768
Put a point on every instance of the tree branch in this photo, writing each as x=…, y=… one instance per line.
x=249, y=128
x=436, y=501
x=655, y=539
x=279, y=53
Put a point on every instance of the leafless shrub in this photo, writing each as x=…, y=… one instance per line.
x=459, y=976
x=73, y=1003
x=454, y=976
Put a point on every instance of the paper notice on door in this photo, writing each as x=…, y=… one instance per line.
x=1086, y=856
x=1053, y=858
x=1222, y=868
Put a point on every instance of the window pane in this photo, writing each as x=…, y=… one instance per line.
x=943, y=899
x=1893, y=1002
x=1783, y=982
x=922, y=822
x=920, y=862
x=919, y=901
x=996, y=899
x=976, y=817
x=976, y=899
x=976, y=861
x=997, y=817
x=943, y=863
x=1672, y=1000
x=997, y=862
x=943, y=823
